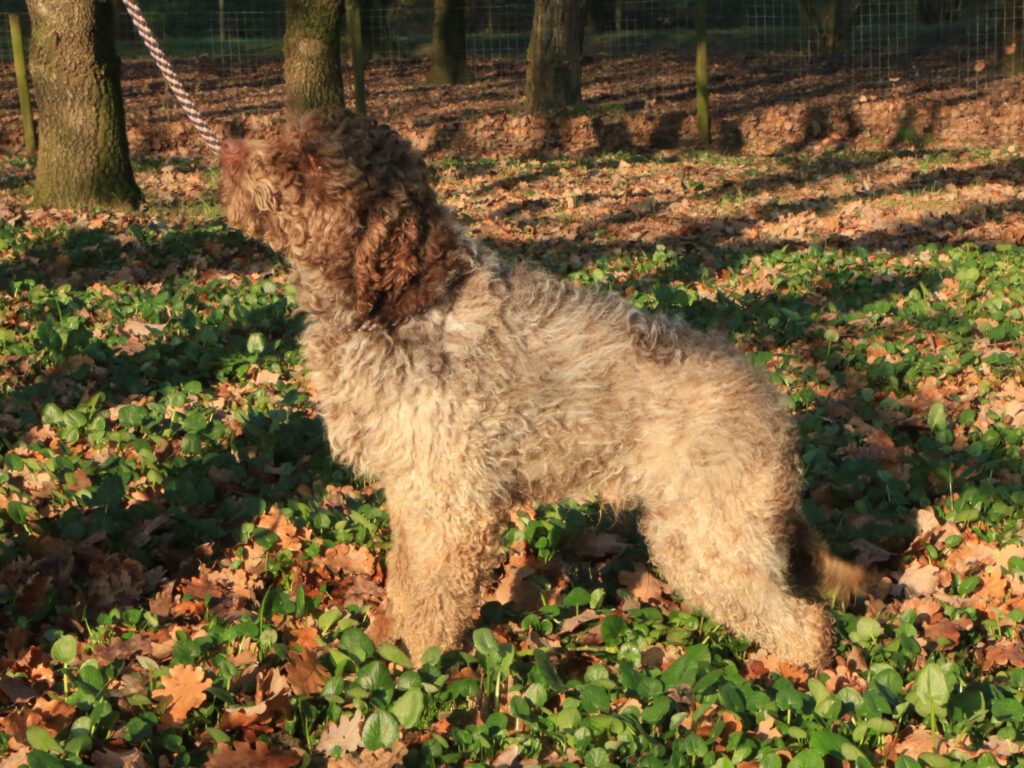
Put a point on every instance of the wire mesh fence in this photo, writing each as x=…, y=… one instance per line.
x=964, y=41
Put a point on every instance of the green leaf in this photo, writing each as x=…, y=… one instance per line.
x=937, y=421
x=131, y=415
x=256, y=343
x=656, y=710
x=866, y=631
x=40, y=738
x=65, y=649
x=612, y=629
x=594, y=698
x=808, y=758
x=930, y=691
x=380, y=731
x=52, y=414
x=409, y=707
x=90, y=674
x=44, y=760
x=485, y=643
x=355, y=643
x=545, y=671
x=394, y=654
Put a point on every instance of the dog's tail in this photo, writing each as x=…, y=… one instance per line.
x=815, y=569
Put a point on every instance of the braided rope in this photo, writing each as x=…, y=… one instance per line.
x=142, y=27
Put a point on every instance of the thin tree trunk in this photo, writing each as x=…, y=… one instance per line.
x=700, y=28
x=312, y=55
x=449, y=48
x=83, y=145
x=553, y=68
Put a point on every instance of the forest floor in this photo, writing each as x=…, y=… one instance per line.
x=185, y=576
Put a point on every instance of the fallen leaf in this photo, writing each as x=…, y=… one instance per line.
x=345, y=558
x=305, y=675
x=919, y=579
x=1005, y=653
x=117, y=758
x=344, y=734
x=644, y=585
x=184, y=689
x=242, y=754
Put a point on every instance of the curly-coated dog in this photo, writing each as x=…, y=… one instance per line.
x=466, y=386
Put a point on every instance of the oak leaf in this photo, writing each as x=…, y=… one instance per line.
x=184, y=689
x=345, y=558
x=305, y=675
x=344, y=734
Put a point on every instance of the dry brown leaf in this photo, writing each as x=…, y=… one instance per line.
x=378, y=758
x=916, y=742
x=16, y=690
x=242, y=754
x=515, y=586
x=592, y=544
x=644, y=585
x=766, y=728
x=943, y=628
x=282, y=527
x=117, y=758
x=184, y=689
x=16, y=759
x=507, y=756
x=346, y=558
x=919, y=579
x=344, y=734
x=572, y=623
x=305, y=675
x=1005, y=653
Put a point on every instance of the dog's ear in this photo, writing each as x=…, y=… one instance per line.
x=410, y=250
x=408, y=256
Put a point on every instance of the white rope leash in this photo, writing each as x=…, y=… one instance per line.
x=142, y=27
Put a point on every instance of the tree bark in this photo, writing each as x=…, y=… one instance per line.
x=312, y=55
x=553, y=68
x=449, y=48
x=83, y=146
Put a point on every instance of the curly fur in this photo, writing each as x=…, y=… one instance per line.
x=467, y=386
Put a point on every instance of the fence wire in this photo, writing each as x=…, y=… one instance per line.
x=959, y=41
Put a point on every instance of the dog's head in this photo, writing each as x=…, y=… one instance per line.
x=349, y=202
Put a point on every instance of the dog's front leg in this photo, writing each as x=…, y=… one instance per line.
x=440, y=556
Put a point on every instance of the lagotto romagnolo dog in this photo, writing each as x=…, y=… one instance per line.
x=466, y=386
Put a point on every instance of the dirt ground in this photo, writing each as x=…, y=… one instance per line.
x=815, y=159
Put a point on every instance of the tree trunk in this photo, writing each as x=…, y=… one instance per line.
x=312, y=55
x=449, y=49
x=554, y=56
x=83, y=145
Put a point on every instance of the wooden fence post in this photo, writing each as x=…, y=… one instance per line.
x=21, y=74
x=700, y=29
x=354, y=22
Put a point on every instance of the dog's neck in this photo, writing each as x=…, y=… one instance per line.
x=325, y=299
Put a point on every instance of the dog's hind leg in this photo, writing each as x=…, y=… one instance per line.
x=730, y=559
x=440, y=556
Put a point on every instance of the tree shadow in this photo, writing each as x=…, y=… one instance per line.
x=126, y=486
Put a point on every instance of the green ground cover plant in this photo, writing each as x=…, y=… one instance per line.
x=187, y=579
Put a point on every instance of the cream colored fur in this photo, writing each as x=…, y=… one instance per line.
x=514, y=386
